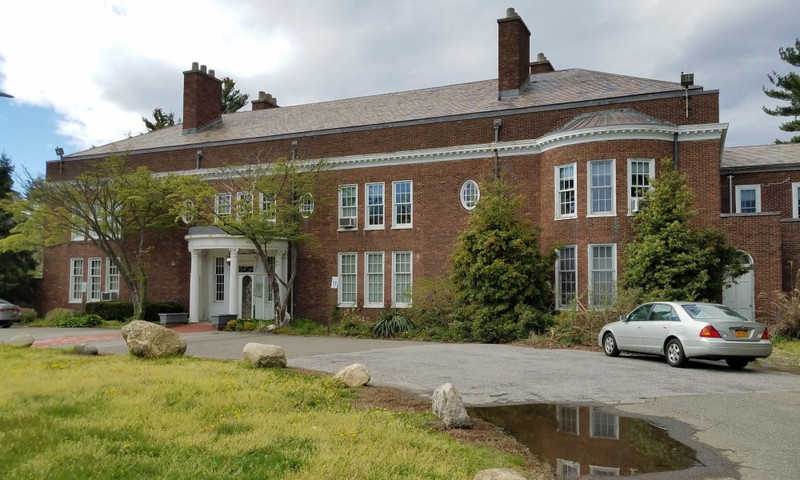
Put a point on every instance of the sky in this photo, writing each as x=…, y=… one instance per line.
x=84, y=72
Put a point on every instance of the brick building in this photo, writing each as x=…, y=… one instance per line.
x=579, y=146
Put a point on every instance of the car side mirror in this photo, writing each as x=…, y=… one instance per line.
x=623, y=318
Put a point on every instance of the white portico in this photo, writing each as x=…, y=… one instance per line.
x=228, y=277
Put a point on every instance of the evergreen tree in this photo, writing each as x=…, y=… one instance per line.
x=232, y=98
x=668, y=258
x=501, y=278
x=160, y=120
x=16, y=267
x=788, y=89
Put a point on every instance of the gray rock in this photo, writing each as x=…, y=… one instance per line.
x=21, y=340
x=449, y=407
x=85, y=349
x=355, y=375
x=148, y=340
x=262, y=355
x=498, y=474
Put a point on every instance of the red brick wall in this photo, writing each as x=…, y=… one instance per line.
x=776, y=190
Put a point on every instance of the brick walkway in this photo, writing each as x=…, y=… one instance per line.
x=73, y=339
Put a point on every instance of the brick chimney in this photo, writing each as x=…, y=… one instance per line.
x=513, y=55
x=265, y=101
x=202, y=99
x=541, y=65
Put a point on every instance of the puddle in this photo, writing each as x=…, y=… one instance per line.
x=583, y=440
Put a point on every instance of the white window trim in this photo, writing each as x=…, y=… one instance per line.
x=589, y=259
x=410, y=273
x=73, y=287
x=463, y=191
x=756, y=188
x=242, y=206
x=269, y=205
x=355, y=207
x=795, y=200
x=652, y=174
x=215, y=278
x=395, y=223
x=306, y=205
x=574, y=415
x=592, y=433
x=94, y=294
x=77, y=236
x=603, y=471
x=110, y=265
x=557, y=168
x=613, y=211
x=218, y=203
x=367, y=225
x=355, y=274
x=574, y=248
x=367, y=303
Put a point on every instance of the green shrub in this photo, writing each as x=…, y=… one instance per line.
x=55, y=315
x=111, y=310
x=391, y=323
x=231, y=326
x=152, y=309
x=27, y=315
x=302, y=326
x=432, y=306
x=580, y=327
x=81, y=321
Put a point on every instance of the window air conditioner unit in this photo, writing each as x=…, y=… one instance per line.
x=635, y=204
x=108, y=296
x=348, y=222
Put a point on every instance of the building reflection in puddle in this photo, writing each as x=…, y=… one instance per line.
x=584, y=440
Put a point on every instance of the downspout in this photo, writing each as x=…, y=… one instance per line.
x=730, y=193
x=675, y=150
x=496, y=126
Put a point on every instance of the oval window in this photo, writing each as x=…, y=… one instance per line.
x=306, y=205
x=187, y=214
x=470, y=194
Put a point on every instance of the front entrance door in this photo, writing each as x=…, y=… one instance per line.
x=740, y=296
x=256, y=297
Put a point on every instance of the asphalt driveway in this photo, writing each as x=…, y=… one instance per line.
x=744, y=424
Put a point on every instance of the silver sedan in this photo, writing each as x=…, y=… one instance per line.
x=9, y=313
x=679, y=331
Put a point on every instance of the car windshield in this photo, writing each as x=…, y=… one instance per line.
x=701, y=311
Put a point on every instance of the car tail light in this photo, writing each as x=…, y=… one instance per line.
x=709, y=332
x=765, y=335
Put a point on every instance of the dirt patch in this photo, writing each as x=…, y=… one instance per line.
x=482, y=433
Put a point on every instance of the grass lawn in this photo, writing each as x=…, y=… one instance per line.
x=785, y=355
x=69, y=416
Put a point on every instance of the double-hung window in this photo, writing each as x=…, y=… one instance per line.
x=796, y=200
x=566, y=196
x=640, y=171
x=347, y=279
x=244, y=203
x=403, y=204
x=601, y=187
x=76, y=285
x=748, y=198
x=348, y=205
x=112, y=276
x=401, y=284
x=222, y=204
x=95, y=277
x=566, y=276
x=219, y=279
x=602, y=275
x=375, y=205
x=603, y=424
x=373, y=279
x=269, y=206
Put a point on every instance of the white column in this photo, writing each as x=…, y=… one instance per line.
x=233, y=298
x=194, y=287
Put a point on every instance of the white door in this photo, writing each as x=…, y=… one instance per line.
x=740, y=296
x=256, y=297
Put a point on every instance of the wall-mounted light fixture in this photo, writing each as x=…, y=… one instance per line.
x=198, y=156
x=295, y=146
x=60, y=153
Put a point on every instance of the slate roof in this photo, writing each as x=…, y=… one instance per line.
x=475, y=98
x=761, y=156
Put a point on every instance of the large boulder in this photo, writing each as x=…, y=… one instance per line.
x=148, y=340
x=355, y=375
x=449, y=407
x=21, y=340
x=262, y=355
x=498, y=474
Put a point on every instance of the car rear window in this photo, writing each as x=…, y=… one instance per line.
x=703, y=311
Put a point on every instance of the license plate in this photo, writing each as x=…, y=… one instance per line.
x=742, y=334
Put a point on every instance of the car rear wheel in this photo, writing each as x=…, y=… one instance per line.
x=737, y=363
x=610, y=345
x=674, y=353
